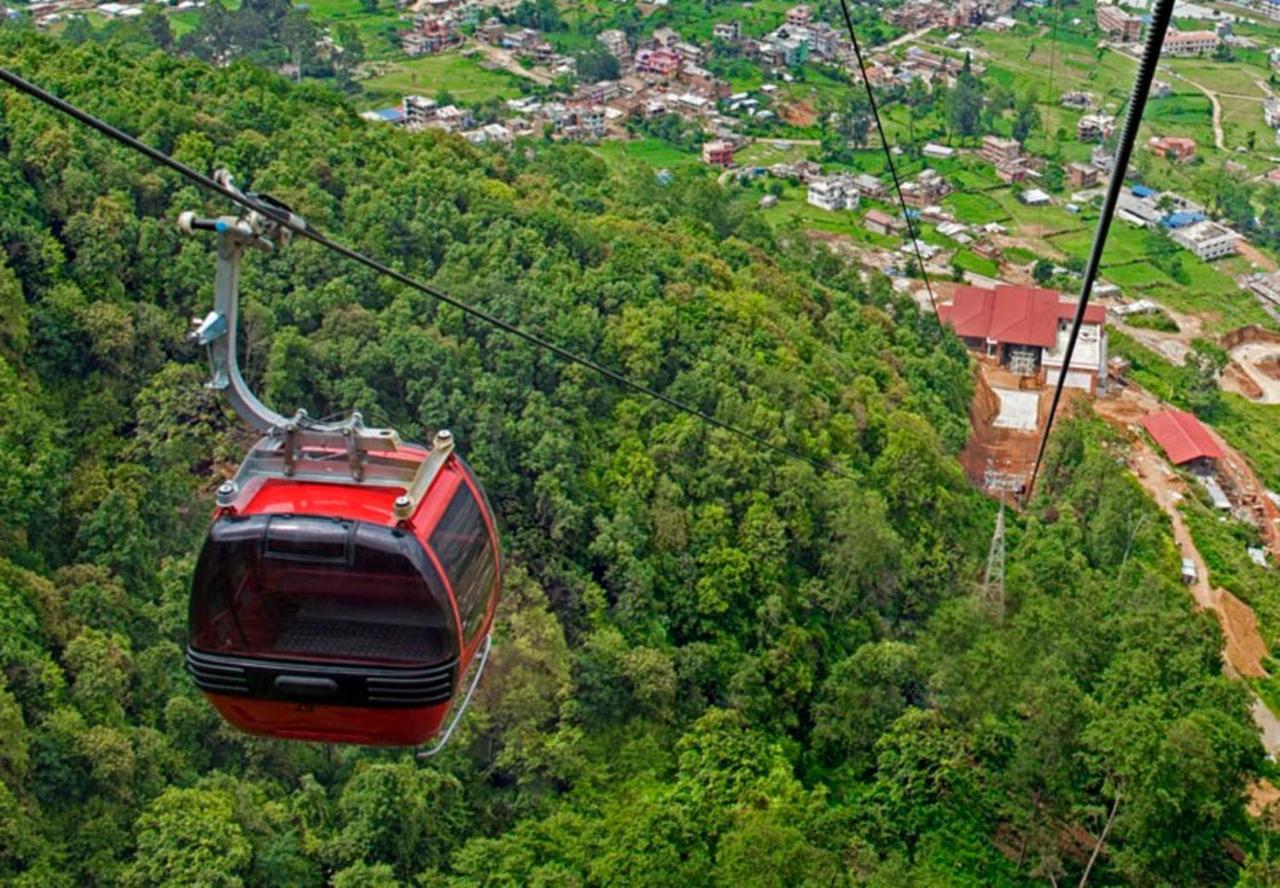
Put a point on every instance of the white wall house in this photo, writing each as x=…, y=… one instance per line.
x=1208, y=240
x=833, y=193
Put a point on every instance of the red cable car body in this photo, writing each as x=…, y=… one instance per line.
x=318, y=614
x=347, y=585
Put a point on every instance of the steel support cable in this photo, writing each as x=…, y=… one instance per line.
x=302, y=230
x=1120, y=163
x=888, y=153
x=1053, y=72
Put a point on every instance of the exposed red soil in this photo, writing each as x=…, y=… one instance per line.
x=1235, y=379
x=1249, y=333
x=1264, y=795
x=1269, y=365
x=800, y=113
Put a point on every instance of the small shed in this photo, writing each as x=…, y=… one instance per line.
x=1182, y=437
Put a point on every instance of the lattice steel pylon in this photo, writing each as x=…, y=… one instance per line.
x=993, y=581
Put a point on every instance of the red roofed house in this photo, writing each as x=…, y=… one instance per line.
x=1173, y=147
x=1026, y=328
x=1181, y=436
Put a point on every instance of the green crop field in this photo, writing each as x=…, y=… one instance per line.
x=977, y=264
x=1237, y=78
x=653, y=152
x=1124, y=243
x=460, y=76
x=377, y=29
x=974, y=209
x=766, y=152
x=1025, y=59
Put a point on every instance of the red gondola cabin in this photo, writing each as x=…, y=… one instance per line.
x=323, y=610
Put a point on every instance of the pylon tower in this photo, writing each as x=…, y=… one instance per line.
x=993, y=582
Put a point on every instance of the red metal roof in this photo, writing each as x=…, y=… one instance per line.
x=1012, y=315
x=1181, y=436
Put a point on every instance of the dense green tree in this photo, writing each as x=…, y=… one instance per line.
x=713, y=664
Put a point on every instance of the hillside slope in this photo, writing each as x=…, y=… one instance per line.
x=714, y=665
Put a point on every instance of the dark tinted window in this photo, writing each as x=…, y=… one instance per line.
x=461, y=542
x=319, y=590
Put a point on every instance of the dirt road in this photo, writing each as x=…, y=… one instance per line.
x=1217, y=112
x=1256, y=256
x=1243, y=646
x=1249, y=356
x=1174, y=346
x=508, y=62
x=906, y=38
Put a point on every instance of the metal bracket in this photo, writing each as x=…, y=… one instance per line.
x=406, y=504
x=217, y=333
x=477, y=666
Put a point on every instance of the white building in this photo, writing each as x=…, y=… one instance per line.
x=419, y=111
x=1189, y=43
x=1208, y=240
x=833, y=193
x=615, y=42
x=1271, y=112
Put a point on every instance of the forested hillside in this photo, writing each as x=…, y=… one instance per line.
x=714, y=665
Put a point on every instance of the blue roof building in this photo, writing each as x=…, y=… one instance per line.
x=385, y=115
x=1142, y=191
x=1182, y=220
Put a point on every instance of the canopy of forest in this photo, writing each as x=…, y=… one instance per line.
x=713, y=665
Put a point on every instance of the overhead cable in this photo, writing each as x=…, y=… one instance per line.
x=285, y=220
x=888, y=154
x=1160, y=18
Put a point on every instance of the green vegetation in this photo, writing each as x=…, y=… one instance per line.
x=713, y=665
x=1223, y=546
x=462, y=77
x=654, y=153
x=1158, y=320
x=969, y=261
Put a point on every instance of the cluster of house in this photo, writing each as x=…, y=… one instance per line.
x=1007, y=157
x=1184, y=219
x=527, y=44
x=437, y=31
x=916, y=14
x=793, y=43
x=837, y=192
x=886, y=71
x=1118, y=24
x=46, y=13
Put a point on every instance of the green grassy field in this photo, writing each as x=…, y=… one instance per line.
x=977, y=264
x=1037, y=221
x=1237, y=77
x=1189, y=114
x=974, y=209
x=765, y=153
x=1025, y=59
x=653, y=152
x=1243, y=117
x=377, y=29
x=460, y=76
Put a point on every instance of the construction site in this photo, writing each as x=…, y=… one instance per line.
x=1168, y=450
